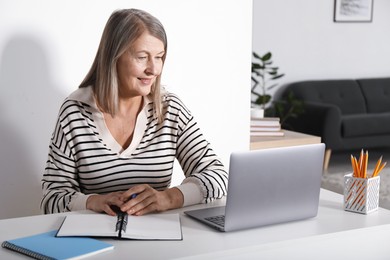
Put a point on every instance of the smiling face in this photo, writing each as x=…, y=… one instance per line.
x=139, y=66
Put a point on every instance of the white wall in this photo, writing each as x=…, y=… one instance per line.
x=307, y=44
x=47, y=47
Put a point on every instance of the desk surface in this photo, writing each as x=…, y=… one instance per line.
x=333, y=225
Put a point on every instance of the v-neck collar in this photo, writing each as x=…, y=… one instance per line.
x=85, y=95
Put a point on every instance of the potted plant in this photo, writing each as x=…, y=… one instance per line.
x=263, y=76
x=287, y=107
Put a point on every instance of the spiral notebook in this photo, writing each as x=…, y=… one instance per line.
x=48, y=246
x=148, y=227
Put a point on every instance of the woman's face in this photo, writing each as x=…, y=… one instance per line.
x=139, y=66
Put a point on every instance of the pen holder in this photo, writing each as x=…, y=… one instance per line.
x=361, y=195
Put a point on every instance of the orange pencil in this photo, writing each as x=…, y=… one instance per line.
x=361, y=159
x=380, y=169
x=353, y=166
x=378, y=163
x=365, y=165
x=357, y=168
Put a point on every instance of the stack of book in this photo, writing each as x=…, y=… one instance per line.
x=267, y=126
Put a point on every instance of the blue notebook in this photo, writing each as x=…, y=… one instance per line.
x=48, y=246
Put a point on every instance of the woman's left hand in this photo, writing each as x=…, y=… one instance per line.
x=147, y=200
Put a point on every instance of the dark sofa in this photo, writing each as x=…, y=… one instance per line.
x=347, y=114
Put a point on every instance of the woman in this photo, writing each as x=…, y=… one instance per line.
x=118, y=134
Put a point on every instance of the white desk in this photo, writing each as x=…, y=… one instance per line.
x=320, y=237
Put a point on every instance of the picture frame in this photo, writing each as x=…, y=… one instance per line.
x=353, y=11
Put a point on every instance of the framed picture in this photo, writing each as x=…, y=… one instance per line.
x=353, y=10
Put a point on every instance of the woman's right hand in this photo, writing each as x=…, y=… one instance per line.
x=105, y=203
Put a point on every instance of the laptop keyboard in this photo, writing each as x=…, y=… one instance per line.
x=218, y=220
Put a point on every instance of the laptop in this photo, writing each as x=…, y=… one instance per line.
x=267, y=187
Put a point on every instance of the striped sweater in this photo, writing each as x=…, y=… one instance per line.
x=84, y=160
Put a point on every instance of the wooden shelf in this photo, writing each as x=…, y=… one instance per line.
x=290, y=138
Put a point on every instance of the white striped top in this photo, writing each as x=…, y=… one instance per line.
x=84, y=158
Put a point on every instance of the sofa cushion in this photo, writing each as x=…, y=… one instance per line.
x=365, y=124
x=346, y=94
x=377, y=94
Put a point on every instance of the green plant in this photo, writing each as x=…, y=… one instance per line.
x=286, y=108
x=263, y=74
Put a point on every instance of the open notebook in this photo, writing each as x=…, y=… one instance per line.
x=157, y=226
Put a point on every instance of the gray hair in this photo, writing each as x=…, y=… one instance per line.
x=123, y=28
